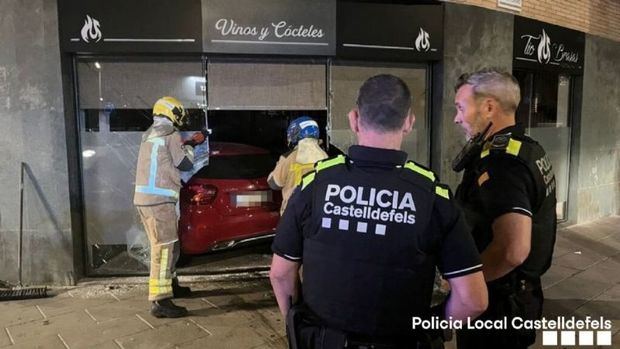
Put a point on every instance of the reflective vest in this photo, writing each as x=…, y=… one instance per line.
x=158, y=180
x=292, y=166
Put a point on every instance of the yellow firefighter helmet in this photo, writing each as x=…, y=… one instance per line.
x=171, y=108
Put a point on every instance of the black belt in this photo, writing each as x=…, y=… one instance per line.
x=515, y=283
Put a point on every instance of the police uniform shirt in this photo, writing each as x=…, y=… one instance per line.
x=508, y=185
x=378, y=251
x=502, y=185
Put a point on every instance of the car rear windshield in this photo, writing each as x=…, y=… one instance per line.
x=238, y=167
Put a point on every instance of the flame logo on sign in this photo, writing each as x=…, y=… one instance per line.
x=90, y=30
x=544, y=53
x=422, y=43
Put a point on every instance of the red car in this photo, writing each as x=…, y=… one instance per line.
x=228, y=201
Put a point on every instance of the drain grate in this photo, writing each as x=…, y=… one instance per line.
x=24, y=293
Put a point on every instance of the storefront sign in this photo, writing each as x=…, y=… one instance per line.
x=390, y=32
x=130, y=26
x=296, y=27
x=539, y=45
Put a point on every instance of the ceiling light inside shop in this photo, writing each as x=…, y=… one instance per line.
x=88, y=153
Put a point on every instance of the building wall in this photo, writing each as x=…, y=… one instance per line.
x=598, y=191
x=33, y=132
x=469, y=45
x=596, y=17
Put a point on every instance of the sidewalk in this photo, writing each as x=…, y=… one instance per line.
x=240, y=311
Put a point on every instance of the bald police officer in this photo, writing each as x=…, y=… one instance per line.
x=370, y=228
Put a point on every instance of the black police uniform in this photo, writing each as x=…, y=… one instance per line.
x=511, y=174
x=370, y=229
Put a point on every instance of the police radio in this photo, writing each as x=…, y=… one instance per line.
x=471, y=150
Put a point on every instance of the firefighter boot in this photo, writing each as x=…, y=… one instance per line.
x=165, y=308
x=180, y=291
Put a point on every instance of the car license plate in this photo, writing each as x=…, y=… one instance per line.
x=252, y=198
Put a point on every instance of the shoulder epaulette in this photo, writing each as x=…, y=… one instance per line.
x=320, y=166
x=307, y=179
x=419, y=169
x=443, y=191
x=502, y=143
x=327, y=163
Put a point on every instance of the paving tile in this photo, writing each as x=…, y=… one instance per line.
x=272, y=319
x=146, y=317
x=167, y=336
x=109, y=344
x=4, y=338
x=564, y=245
x=228, y=338
x=19, y=315
x=581, y=259
x=595, y=308
x=557, y=273
x=560, y=307
x=611, y=242
x=590, y=231
x=615, y=329
x=117, y=310
x=274, y=333
x=54, y=307
x=576, y=288
x=221, y=317
x=104, y=332
x=607, y=271
x=597, y=246
x=75, y=321
x=49, y=341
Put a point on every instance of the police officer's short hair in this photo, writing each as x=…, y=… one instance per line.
x=384, y=102
x=495, y=83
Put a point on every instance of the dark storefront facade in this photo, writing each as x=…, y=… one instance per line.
x=245, y=71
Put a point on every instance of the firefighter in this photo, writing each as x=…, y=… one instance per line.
x=161, y=157
x=302, y=137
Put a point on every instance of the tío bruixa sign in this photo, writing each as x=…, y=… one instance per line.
x=545, y=46
x=546, y=51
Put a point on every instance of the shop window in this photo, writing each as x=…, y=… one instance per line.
x=347, y=78
x=238, y=167
x=265, y=129
x=91, y=120
x=266, y=86
x=544, y=112
x=127, y=120
x=115, y=101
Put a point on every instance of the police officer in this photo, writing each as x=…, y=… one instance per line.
x=158, y=181
x=508, y=195
x=302, y=136
x=370, y=228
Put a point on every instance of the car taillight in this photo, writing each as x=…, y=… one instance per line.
x=202, y=194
